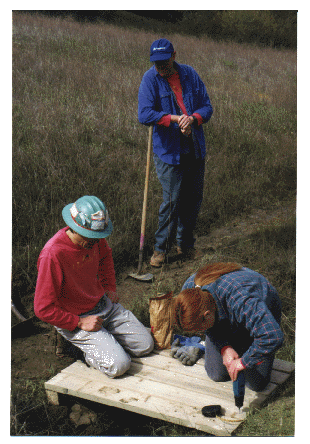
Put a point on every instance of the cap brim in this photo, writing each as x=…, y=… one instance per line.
x=160, y=57
x=91, y=234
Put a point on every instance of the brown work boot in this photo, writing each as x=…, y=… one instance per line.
x=189, y=254
x=158, y=259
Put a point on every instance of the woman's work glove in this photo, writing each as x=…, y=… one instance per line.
x=187, y=354
x=193, y=341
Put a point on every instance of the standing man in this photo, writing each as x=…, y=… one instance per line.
x=173, y=98
x=76, y=291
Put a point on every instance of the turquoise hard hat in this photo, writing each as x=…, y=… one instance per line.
x=89, y=217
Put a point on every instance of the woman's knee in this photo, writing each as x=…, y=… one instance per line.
x=122, y=362
x=256, y=382
x=217, y=373
x=145, y=347
x=258, y=377
x=112, y=366
x=119, y=367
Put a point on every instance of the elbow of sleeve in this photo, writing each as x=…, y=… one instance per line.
x=39, y=314
x=281, y=339
x=210, y=113
x=42, y=312
x=278, y=339
x=145, y=119
x=36, y=312
x=36, y=309
x=140, y=118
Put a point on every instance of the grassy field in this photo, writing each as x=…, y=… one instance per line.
x=75, y=132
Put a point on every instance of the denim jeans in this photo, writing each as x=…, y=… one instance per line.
x=256, y=378
x=182, y=196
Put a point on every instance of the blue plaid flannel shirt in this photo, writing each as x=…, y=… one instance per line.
x=245, y=298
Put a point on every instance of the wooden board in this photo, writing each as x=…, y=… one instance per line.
x=161, y=387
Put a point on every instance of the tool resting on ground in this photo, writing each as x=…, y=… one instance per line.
x=239, y=389
x=148, y=276
x=187, y=350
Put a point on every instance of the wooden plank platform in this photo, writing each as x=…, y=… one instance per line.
x=161, y=387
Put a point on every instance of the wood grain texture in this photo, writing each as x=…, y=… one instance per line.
x=161, y=387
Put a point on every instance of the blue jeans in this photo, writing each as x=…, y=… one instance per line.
x=182, y=197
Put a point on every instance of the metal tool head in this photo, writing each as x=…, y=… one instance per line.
x=148, y=277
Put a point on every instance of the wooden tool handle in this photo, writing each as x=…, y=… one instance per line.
x=146, y=186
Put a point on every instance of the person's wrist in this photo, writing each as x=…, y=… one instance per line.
x=241, y=366
x=225, y=348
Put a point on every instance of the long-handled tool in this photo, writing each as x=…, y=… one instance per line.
x=137, y=275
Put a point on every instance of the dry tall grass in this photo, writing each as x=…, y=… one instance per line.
x=75, y=130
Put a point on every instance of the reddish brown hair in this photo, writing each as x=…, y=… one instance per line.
x=210, y=273
x=192, y=302
x=188, y=304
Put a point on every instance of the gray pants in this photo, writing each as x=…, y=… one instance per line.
x=120, y=336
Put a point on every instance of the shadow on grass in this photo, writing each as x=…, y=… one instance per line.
x=47, y=420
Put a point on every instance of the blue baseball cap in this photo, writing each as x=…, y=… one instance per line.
x=161, y=49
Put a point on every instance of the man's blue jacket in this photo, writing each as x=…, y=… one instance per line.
x=156, y=99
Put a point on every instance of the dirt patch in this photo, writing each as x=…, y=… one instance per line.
x=207, y=246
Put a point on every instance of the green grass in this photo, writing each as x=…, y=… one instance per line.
x=283, y=423
x=75, y=132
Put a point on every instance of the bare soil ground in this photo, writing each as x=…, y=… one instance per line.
x=33, y=358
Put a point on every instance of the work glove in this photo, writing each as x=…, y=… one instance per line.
x=186, y=354
x=193, y=341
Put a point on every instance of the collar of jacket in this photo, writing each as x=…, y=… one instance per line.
x=222, y=314
x=211, y=288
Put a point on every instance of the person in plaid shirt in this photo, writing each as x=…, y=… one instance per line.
x=241, y=314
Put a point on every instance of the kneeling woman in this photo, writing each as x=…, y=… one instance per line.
x=241, y=313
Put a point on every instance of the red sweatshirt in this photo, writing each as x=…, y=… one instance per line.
x=175, y=85
x=71, y=279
